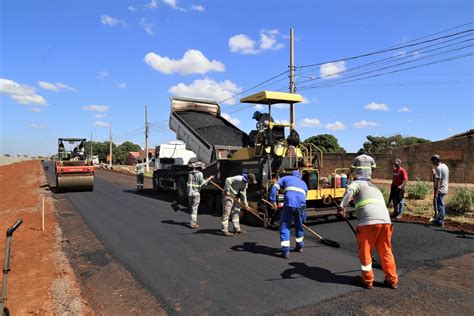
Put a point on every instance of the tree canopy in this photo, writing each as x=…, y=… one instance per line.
x=120, y=152
x=326, y=142
x=382, y=144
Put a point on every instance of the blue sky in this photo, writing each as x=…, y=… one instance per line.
x=69, y=68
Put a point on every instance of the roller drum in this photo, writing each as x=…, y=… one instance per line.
x=75, y=182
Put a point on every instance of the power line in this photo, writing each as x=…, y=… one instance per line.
x=394, y=71
x=388, y=49
x=399, y=84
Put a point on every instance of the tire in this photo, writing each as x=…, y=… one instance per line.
x=181, y=188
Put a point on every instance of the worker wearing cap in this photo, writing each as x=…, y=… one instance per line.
x=294, y=207
x=139, y=172
x=263, y=119
x=397, y=190
x=362, y=167
x=374, y=231
x=234, y=188
x=195, y=183
x=441, y=180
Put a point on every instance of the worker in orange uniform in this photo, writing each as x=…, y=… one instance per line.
x=374, y=231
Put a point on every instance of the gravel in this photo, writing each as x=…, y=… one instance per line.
x=215, y=130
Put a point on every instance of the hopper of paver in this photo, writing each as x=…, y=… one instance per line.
x=200, y=125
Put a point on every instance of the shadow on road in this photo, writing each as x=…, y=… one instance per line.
x=213, y=231
x=172, y=222
x=152, y=194
x=254, y=248
x=460, y=233
x=317, y=274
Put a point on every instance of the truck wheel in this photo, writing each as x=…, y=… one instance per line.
x=181, y=188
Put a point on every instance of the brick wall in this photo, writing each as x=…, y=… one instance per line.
x=456, y=153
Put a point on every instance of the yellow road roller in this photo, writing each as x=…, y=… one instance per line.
x=73, y=171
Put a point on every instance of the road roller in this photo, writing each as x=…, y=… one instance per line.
x=73, y=171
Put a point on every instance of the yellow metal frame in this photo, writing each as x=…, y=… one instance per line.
x=272, y=97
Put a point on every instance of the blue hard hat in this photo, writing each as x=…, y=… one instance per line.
x=256, y=114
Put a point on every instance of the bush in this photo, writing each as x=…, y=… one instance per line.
x=386, y=194
x=461, y=202
x=419, y=190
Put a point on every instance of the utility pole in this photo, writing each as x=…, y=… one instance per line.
x=292, y=77
x=110, y=150
x=146, y=138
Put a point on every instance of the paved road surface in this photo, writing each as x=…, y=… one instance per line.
x=202, y=272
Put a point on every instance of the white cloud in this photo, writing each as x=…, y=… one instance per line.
x=121, y=85
x=148, y=27
x=38, y=126
x=307, y=122
x=111, y=21
x=96, y=108
x=335, y=126
x=132, y=8
x=404, y=109
x=55, y=86
x=171, y=3
x=153, y=4
x=21, y=93
x=282, y=121
x=364, y=123
x=35, y=109
x=259, y=107
x=233, y=120
x=193, y=62
x=332, y=70
x=197, y=7
x=99, y=116
x=243, y=44
x=101, y=124
x=268, y=40
x=208, y=89
x=377, y=106
x=305, y=101
x=280, y=106
x=104, y=74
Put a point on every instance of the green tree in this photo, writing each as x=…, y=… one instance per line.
x=382, y=144
x=326, y=142
x=100, y=149
x=120, y=154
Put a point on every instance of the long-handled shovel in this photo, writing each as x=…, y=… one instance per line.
x=374, y=261
x=254, y=212
x=327, y=242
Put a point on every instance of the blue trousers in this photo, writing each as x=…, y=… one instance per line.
x=288, y=214
x=441, y=209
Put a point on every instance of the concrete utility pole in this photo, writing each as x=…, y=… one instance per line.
x=292, y=77
x=110, y=150
x=146, y=138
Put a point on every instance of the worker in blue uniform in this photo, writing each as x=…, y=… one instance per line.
x=294, y=207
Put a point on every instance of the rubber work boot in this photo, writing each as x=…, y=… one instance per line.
x=227, y=234
x=194, y=226
x=365, y=285
x=285, y=255
x=432, y=220
x=175, y=206
x=299, y=249
x=240, y=231
x=390, y=285
x=399, y=216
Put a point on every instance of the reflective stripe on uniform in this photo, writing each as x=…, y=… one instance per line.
x=285, y=243
x=369, y=201
x=295, y=189
x=363, y=167
x=299, y=239
x=196, y=186
x=276, y=185
x=366, y=268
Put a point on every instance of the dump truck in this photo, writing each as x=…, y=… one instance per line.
x=74, y=172
x=228, y=151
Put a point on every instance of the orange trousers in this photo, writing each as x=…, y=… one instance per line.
x=376, y=236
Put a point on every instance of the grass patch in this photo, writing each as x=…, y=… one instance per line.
x=419, y=190
x=461, y=202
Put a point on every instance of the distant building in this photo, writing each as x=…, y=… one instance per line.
x=143, y=154
x=133, y=158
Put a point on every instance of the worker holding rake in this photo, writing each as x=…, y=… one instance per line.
x=195, y=182
x=294, y=207
x=374, y=231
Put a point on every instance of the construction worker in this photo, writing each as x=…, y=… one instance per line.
x=362, y=166
x=441, y=181
x=195, y=183
x=374, y=231
x=397, y=190
x=139, y=172
x=234, y=188
x=263, y=119
x=294, y=207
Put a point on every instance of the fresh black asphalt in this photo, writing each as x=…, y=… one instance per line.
x=201, y=272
